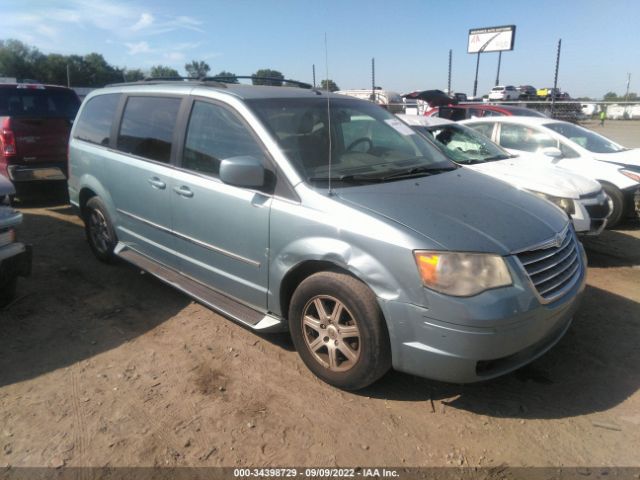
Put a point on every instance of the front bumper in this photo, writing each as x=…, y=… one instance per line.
x=478, y=338
x=15, y=261
x=591, y=214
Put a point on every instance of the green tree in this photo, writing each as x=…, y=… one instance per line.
x=332, y=85
x=99, y=72
x=275, y=77
x=197, y=69
x=19, y=60
x=133, y=75
x=230, y=75
x=610, y=96
x=160, y=71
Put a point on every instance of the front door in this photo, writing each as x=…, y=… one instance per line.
x=222, y=231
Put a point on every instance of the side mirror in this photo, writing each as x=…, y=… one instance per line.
x=553, y=152
x=243, y=171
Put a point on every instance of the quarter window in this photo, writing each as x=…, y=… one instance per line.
x=215, y=133
x=485, y=129
x=94, y=124
x=147, y=127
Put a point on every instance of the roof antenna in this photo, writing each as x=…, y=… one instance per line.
x=326, y=86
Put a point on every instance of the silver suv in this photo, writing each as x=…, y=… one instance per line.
x=291, y=208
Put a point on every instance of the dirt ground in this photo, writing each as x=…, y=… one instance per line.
x=104, y=366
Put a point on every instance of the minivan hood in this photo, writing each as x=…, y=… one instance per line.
x=461, y=210
x=528, y=175
x=626, y=157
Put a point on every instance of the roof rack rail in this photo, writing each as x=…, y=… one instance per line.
x=221, y=82
x=275, y=80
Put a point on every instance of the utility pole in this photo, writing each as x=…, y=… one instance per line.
x=313, y=67
x=626, y=95
x=68, y=77
x=555, y=79
x=373, y=80
x=449, y=79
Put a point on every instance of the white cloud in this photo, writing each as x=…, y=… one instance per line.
x=146, y=19
x=175, y=56
x=136, y=48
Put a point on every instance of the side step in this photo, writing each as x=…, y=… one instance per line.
x=203, y=294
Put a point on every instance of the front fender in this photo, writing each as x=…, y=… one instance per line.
x=343, y=255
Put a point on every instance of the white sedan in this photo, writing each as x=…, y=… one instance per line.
x=574, y=148
x=583, y=199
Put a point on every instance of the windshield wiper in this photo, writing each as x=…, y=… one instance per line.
x=417, y=172
x=498, y=157
x=346, y=179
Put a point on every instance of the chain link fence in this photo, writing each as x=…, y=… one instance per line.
x=575, y=111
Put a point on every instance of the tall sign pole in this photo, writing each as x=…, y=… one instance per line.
x=491, y=39
x=475, y=82
x=555, y=79
x=314, y=75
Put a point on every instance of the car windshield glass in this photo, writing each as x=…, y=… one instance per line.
x=585, y=138
x=464, y=145
x=38, y=102
x=365, y=141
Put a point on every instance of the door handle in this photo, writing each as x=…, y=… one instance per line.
x=183, y=191
x=157, y=183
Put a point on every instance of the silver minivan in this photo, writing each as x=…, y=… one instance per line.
x=292, y=208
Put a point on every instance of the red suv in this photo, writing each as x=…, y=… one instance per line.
x=35, y=121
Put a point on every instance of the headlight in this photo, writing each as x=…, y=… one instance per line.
x=461, y=274
x=632, y=175
x=565, y=204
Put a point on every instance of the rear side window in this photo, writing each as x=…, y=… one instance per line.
x=485, y=129
x=38, y=102
x=147, y=127
x=94, y=124
x=521, y=137
x=215, y=133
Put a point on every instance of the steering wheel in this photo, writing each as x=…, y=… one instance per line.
x=358, y=141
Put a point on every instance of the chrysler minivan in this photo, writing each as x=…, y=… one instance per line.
x=279, y=209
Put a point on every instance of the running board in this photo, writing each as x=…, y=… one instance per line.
x=216, y=301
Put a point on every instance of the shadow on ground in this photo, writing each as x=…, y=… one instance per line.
x=73, y=307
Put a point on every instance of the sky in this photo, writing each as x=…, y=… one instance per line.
x=409, y=39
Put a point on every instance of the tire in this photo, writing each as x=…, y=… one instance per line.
x=99, y=230
x=617, y=204
x=347, y=343
x=8, y=291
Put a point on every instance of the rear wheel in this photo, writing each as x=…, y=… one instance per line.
x=616, y=203
x=338, y=330
x=99, y=230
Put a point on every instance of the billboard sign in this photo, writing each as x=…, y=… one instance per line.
x=492, y=39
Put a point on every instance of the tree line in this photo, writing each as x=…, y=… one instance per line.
x=25, y=63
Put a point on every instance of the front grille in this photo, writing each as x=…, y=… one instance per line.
x=598, y=211
x=554, y=266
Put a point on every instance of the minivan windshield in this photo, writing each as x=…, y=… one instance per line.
x=365, y=142
x=463, y=144
x=585, y=138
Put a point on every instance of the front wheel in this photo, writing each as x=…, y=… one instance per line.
x=616, y=203
x=339, y=331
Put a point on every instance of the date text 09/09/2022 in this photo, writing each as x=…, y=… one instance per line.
x=314, y=472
